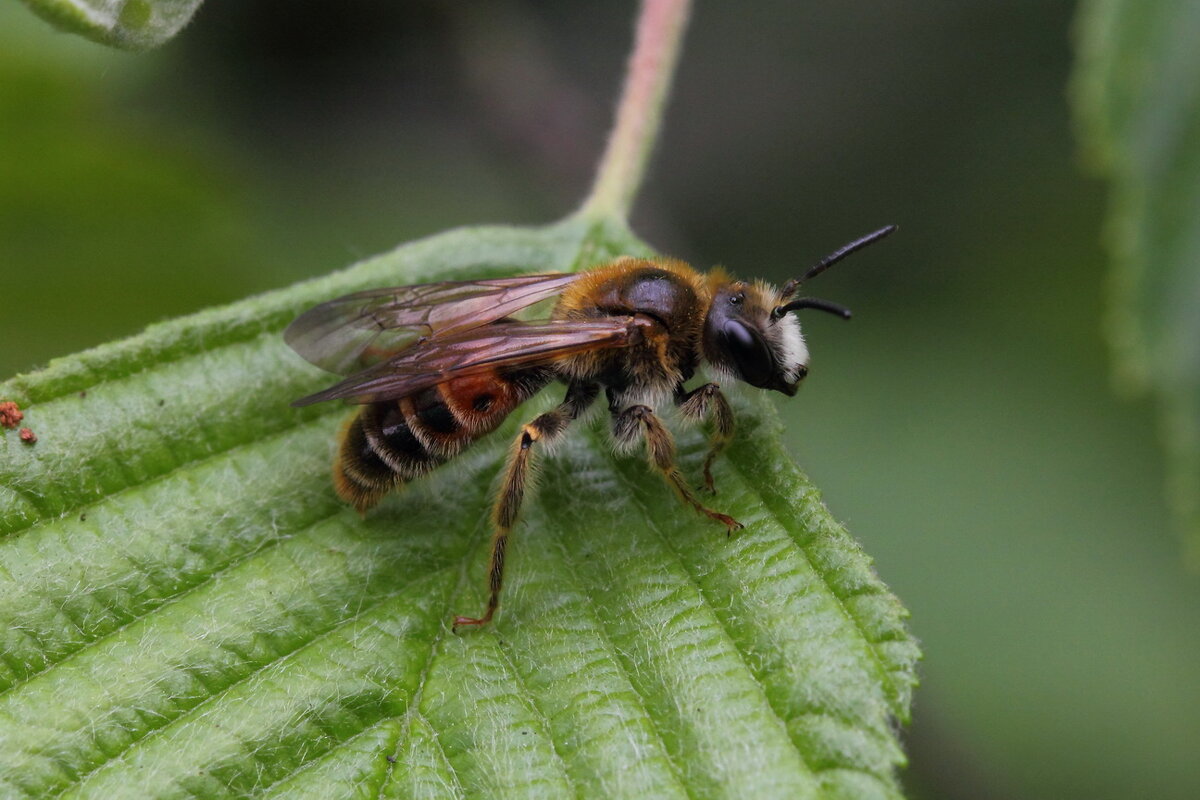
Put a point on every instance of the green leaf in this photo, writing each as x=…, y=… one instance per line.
x=187, y=610
x=1137, y=93
x=129, y=24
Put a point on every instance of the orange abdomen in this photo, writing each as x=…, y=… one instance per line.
x=389, y=443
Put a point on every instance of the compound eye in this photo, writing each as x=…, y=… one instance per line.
x=749, y=352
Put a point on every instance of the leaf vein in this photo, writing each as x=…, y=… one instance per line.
x=153, y=480
x=618, y=658
x=312, y=763
x=173, y=600
x=541, y=716
x=726, y=631
x=882, y=670
x=203, y=707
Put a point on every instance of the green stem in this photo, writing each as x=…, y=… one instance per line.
x=651, y=68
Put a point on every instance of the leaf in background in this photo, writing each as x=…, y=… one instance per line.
x=129, y=24
x=187, y=610
x=1137, y=96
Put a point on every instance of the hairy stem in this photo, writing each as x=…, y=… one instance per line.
x=651, y=67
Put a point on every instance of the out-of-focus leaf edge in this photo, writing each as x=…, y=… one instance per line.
x=135, y=25
x=1121, y=69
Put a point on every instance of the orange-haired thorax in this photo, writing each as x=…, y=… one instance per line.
x=667, y=291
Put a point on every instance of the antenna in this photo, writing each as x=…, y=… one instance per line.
x=811, y=302
x=828, y=261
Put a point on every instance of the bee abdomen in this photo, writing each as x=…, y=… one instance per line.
x=440, y=428
x=388, y=431
x=360, y=476
x=378, y=453
x=390, y=443
x=448, y=417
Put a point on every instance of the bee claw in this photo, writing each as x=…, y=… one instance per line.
x=729, y=522
x=466, y=622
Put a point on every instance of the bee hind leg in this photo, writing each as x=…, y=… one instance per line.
x=660, y=447
x=696, y=405
x=544, y=428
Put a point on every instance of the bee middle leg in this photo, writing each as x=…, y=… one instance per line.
x=695, y=405
x=544, y=428
x=637, y=421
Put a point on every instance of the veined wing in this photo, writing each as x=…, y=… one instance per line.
x=361, y=329
x=501, y=344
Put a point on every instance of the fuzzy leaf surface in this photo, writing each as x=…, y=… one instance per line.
x=188, y=611
x=1137, y=93
x=128, y=24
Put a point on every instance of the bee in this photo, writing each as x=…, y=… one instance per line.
x=437, y=366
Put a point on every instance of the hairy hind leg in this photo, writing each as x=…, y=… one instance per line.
x=637, y=421
x=695, y=405
x=544, y=429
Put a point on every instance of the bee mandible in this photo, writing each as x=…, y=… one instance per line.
x=437, y=366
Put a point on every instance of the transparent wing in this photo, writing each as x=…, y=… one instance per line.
x=353, y=332
x=501, y=344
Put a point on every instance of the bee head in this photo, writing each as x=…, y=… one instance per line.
x=751, y=332
x=742, y=339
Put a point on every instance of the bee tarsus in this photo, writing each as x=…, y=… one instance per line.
x=660, y=447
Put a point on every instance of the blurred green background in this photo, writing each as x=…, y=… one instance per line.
x=963, y=425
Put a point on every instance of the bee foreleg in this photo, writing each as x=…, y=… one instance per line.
x=696, y=405
x=544, y=429
x=660, y=447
